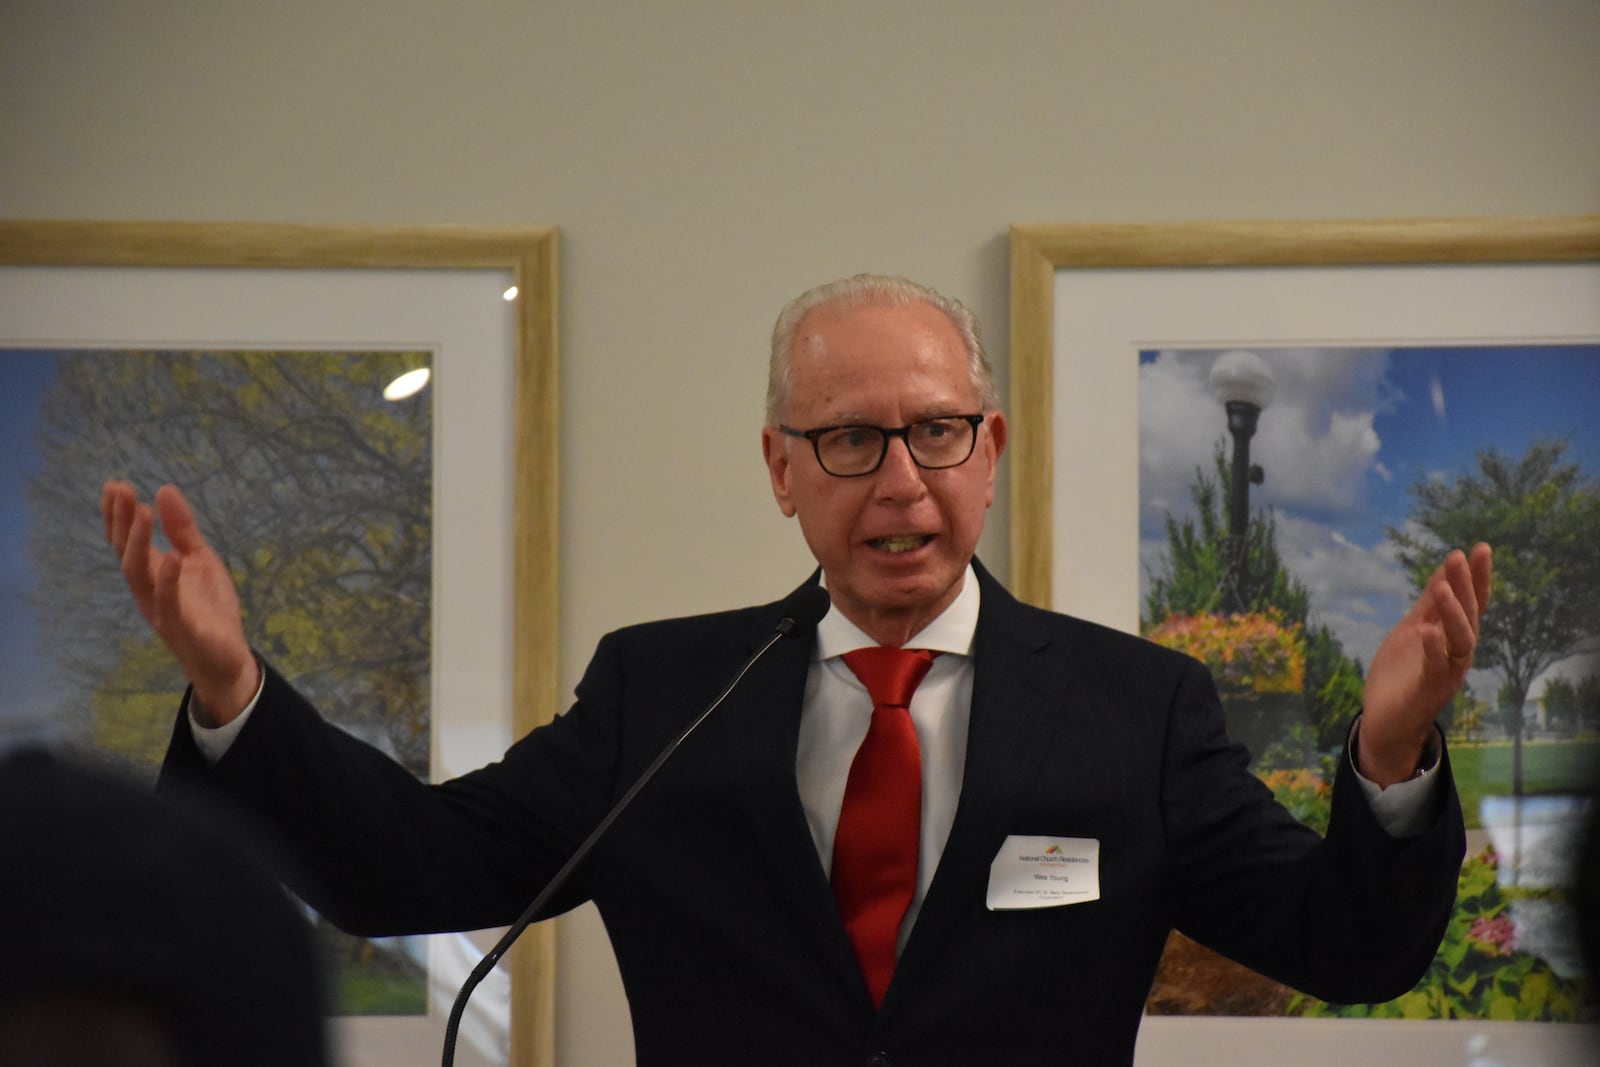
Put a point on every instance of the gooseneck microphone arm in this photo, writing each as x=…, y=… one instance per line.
x=802, y=610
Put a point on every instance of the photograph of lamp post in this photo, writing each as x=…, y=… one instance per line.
x=1381, y=459
x=1242, y=381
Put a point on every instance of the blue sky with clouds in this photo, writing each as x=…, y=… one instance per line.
x=1347, y=433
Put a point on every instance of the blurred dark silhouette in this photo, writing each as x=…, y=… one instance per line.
x=1588, y=897
x=140, y=931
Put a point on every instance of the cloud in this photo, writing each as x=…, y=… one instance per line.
x=1357, y=592
x=1334, y=569
x=1414, y=530
x=1436, y=391
x=1315, y=441
x=1180, y=427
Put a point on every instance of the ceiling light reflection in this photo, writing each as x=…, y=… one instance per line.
x=408, y=384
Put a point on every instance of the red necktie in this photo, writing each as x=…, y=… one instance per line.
x=876, y=845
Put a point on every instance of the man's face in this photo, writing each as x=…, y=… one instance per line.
x=895, y=543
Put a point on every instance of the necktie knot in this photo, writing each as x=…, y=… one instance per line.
x=891, y=675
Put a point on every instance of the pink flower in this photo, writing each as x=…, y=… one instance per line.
x=1496, y=936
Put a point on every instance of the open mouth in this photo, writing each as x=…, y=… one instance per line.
x=900, y=543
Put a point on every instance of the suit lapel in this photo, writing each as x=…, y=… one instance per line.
x=1013, y=693
x=759, y=727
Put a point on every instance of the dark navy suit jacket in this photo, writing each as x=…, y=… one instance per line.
x=714, y=898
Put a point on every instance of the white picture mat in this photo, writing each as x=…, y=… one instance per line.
x=461, y=317
x=1103, y=318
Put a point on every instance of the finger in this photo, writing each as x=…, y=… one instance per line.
x=137, y=556
x=1426, y=608
x=165, y=592
x=1456, y=617
x=1482, y=565
x=177, y=521
x=108, y=506
x=1458, y=572
x=118, y=504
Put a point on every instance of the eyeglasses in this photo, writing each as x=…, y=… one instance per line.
x=854, y=451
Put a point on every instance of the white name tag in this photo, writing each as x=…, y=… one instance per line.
x=1044, y=872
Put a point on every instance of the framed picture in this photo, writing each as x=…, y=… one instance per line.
x=1095, y=309
x=476, y=307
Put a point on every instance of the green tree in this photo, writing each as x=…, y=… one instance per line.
x=1194, y=581
x=1463, y=719
x=1196, y=578
x=314, y=489
x=1540, y=514
x=1572, y=705
x=1588, y=701
x=1334, y=687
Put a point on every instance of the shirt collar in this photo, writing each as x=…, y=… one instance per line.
x=952, y=631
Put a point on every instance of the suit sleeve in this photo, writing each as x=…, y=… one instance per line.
x=1355, y=917
x=381, y=853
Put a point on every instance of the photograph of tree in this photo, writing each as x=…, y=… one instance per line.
x=1293, y=502
x=312, y=486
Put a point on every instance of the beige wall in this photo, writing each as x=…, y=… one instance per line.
x=706, y=160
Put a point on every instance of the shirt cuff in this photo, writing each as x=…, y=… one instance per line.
x=1406, y=808
x=214, y=741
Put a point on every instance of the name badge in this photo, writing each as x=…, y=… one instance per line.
x=1044, y=872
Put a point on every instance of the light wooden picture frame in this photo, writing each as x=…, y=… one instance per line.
x=1038, y=252
x=288, y=254
x=1059, y=555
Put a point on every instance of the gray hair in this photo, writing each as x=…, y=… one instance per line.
x=861, y=290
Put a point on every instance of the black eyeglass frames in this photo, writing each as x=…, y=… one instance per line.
x=856, y=451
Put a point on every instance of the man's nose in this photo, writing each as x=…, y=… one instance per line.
x=899, y=475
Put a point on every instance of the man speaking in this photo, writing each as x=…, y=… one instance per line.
x=942, y=827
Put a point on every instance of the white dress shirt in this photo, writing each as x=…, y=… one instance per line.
x=837, y=710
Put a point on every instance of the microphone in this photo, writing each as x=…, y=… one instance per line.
x=802, y=610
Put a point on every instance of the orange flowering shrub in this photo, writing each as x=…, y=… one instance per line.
x=1296, y=781
x=1251, y=653
x=1306, y=794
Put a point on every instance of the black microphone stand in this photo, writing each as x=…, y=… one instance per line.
x=785, y=627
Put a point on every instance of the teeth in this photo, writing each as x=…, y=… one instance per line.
x=903, y=543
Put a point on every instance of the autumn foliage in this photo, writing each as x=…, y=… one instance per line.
x=1252, y=653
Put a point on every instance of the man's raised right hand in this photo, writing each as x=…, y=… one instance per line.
x=187, y=596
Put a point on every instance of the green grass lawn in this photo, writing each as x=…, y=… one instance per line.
x=370, y=978
x=360, y=993
x=1547, y=767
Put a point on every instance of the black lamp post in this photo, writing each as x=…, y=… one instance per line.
x=1241, y=380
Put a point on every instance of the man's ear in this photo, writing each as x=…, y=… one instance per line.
x=997, y=432
x=996, y=448
x=775, y=450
